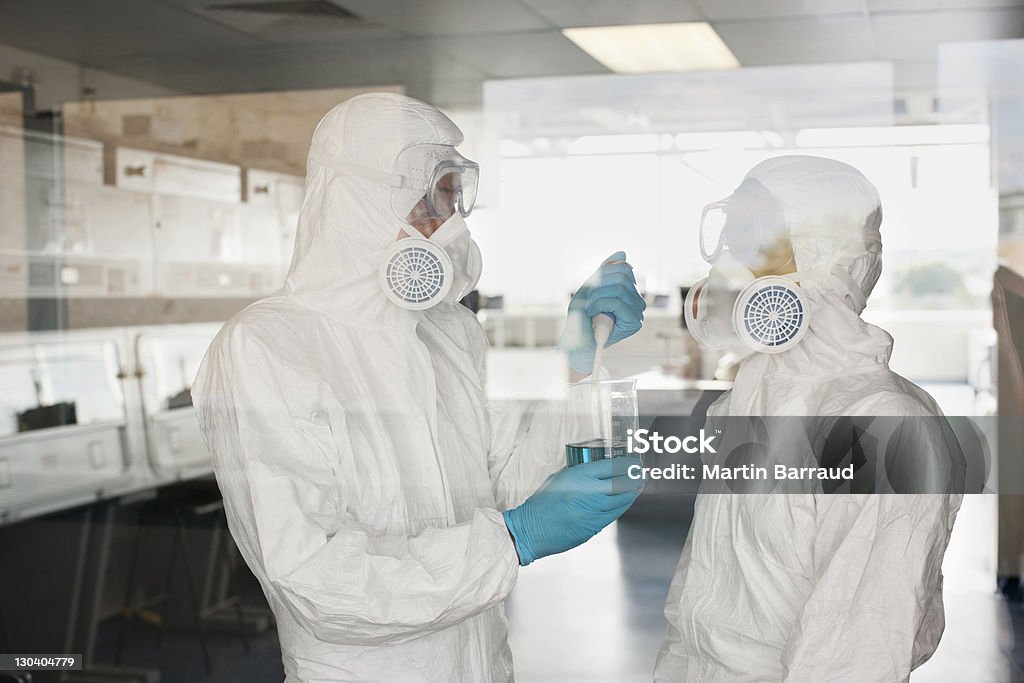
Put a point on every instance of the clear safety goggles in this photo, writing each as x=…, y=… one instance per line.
x=447, y=179
x=436, y=176
x=453, y=188
x=745, y=222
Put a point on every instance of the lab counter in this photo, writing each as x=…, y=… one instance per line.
x=61, y=467
x=657, y=380
x=96, y=432
x=97, y=414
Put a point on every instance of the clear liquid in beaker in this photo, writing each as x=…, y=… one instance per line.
x=591, y=450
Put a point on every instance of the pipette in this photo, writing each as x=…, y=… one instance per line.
x=603, y=323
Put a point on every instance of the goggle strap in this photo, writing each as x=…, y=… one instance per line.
x=348, y=168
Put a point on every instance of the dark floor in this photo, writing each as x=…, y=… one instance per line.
x=566, y=609
x=179, y=659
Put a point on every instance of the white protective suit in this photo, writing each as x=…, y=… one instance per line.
x=362, y=474
x=812, y=587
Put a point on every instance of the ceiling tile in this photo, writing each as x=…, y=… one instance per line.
x=316, y=66
x=198, y=4
x=424, y=57
x=196, y=79
x=445, y=48
x=734, y=10
x=86, y=29
x=157, y=65
x=522, y=54
x=449, y=93
x=916, y=36
x=794, y=41
x=330, y=36
x=934, y=5
x=284, y=29
x=450, y=17
x=295, y=27
x=575, y=13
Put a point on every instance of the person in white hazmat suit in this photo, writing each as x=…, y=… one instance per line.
x=383, y=510
x=808, y=586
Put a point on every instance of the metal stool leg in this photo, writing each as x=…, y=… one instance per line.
x=4, y=642
x=168, y=586
x=225, y=549
x=129, y=589
x=193, y=591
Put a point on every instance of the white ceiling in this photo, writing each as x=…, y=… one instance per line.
x=443, y=50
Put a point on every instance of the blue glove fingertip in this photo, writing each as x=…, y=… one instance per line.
x=617, y=256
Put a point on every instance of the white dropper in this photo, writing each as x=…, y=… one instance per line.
x=603, y=323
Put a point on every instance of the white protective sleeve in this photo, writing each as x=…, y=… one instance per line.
x=527, y=446
x=343, y=581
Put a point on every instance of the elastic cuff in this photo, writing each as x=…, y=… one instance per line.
x=525, y=556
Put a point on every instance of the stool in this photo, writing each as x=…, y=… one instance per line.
x=10, y=676
x=176, y=510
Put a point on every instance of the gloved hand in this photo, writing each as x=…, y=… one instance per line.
x=571, y=506
x=611, y=289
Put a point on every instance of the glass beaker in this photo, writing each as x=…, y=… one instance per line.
x=600, y=415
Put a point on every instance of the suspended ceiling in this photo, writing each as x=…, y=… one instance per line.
x=443, y=50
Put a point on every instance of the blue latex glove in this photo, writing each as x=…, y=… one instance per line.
x=611, y=289
x=571, y=506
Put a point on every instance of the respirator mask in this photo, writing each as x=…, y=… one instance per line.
x=433, y=186
x=752, y=296
x=732, y=307
x=418, y=273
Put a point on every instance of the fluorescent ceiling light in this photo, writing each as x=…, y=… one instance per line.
x=647, y=48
